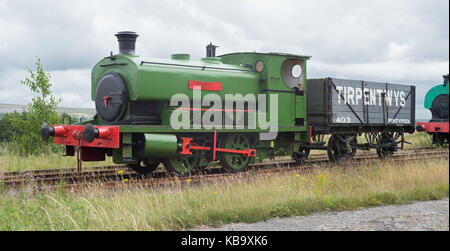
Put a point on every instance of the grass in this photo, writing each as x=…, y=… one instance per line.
x=249, y=199
x=418, y=140
x=10, y=161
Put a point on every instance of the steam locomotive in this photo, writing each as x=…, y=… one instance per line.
x=436, y=100
x=236, y=108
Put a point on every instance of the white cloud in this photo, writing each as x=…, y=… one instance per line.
x=388, y=71
x=73, y=86
x=400, y=51
x=394, y=41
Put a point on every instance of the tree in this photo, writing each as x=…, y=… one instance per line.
x=41, y=109
x=66, y=118
x=7, y=131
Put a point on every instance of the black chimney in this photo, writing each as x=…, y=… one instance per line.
x=127, y=42
x=211, y=50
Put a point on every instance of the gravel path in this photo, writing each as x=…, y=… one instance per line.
x=420, y=216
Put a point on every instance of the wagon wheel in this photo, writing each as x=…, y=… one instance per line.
x=144, y=167
x=353, y=142
x=334, y=149
x=234, y=162
x=339, y=147
x=182, y=165
x=388, y=138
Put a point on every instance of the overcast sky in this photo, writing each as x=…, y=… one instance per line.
x=404, y=42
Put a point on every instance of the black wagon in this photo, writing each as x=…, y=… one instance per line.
x=346, y=109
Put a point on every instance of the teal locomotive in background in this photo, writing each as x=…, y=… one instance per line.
x=437, y=101
x=134, y=121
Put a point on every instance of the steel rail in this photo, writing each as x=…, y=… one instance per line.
x=114, y=168
x=175, y=181
x=118, y=174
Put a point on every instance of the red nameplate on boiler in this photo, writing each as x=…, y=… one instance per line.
x=205, y=86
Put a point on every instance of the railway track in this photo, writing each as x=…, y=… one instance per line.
x=117, y=176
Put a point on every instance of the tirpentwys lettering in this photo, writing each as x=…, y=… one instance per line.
x=370, y=96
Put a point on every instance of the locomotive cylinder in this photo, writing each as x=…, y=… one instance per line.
x=160, y=145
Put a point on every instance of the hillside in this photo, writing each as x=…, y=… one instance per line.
x=74, y=112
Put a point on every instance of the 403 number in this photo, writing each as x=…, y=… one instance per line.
x=343, y=120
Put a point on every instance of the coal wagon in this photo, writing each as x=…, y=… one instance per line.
x=346, y=109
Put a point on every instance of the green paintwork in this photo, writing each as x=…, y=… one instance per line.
x=433, y=93
x=271, y=79
x=157, y=80
x=168, y=129
x=154, y=82
x=180, y=56
x=236, y=162
x=161, y=82
x=182, y=164
x=160, y=145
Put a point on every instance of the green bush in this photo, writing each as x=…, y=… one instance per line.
x=7, y=131
x=26, y=125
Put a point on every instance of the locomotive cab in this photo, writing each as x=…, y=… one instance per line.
x=283, y=76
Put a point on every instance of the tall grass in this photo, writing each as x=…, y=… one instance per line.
x=418, y=140
x=248, y=199
x=11, y=161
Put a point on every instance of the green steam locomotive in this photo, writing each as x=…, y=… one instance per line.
x=236, y=108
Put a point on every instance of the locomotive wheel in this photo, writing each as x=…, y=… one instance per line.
x=337, y=148
x=439, y=139
x=182, y=165
x=385, y=138
x=234, y=162
x=144, y=168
